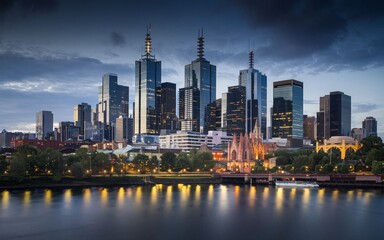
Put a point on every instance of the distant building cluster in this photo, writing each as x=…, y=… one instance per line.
x=203, y=119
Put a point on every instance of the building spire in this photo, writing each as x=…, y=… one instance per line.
x=148, y=43
x=200, y=44
x=251, y=58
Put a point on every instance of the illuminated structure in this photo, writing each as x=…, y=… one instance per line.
x=287, y=117
x=168, y=118
x=242, y=154
x=340, y=142
x=147, y=91
x=198, y=92
x=82, y=117
x=235, y=112
x=44, y=124
x=256, y=97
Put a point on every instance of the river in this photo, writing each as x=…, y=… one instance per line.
x=192, y=212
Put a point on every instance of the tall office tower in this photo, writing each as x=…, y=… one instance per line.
x=256, y=94
x=309, y=128
x=287, y=118
x=370, y=127
x=224, y=101
x=200, y=76
x=147, y=97
x=236, y=98
x=113, y=102
x=334, y=117
x=44, y=124
x=168, y=118
x=82, y=116
x=121, y=130
x=189, y=109
x=68, y=131
x=218, y=114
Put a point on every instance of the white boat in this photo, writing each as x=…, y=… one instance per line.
x=296, y=184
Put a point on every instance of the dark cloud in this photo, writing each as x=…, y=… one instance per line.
x=17, y=67
x=364, y=107
x=38, y=6
x=117, y=39
x=299, y=28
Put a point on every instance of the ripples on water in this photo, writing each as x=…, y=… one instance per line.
x=192, y=212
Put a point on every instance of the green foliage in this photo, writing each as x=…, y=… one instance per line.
x=3, y=164
x=18, y=169
x=182, y=162
x=327, y=168
x=168, y=161
x=300, y=161
x=283, y=160
x=77, y=170
x=202, y=161
x=377, y=167
x=344, y=168
x=371, y=142
x=318, y=169
x=141, y=162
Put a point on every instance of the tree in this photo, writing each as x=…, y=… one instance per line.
x=153, y=163
x=327, y=168
x=202, y=161
x=3, y=164
x=18, y=169
x=141, y=162
x=370, y=143
x=377, y=167
x=77, y=170
x=168, y=161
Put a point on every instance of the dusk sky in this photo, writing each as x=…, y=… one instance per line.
x=53, y=53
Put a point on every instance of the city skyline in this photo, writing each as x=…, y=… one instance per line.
x=48, y=54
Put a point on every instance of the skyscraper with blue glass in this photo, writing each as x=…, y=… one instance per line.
x=200, y=76
x=256, y=97
x=147, y=91
x=287, y=116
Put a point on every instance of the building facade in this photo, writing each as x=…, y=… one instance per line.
x=113, y=102
x=147, y=94
x=82, y=117
x=309, y=128
x=44, y=125
x=256, y=97
x=235, y=112
x=200, y=80
x=369, y=126
x=168, y=119
x=68, y=131
x=287, y=118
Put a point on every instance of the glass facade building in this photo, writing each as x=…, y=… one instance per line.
x=82, y=116
x=370, y=127
x=256, y=97
x=201, y=75
x=44, y=124
x=235, y=112
x=113, y=102
x=287, y=118
x=168, y=106
x=147, y=92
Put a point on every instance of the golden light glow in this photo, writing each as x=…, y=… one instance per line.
x=47, y=197
x=87, y=197
x=5, y=200
x=104, y=197
x=120, y=197
x=27, y=198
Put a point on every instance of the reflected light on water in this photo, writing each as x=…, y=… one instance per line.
x=104, y=197
x=184, y=194
x=350, y=194
x=252, y=196
x=223, y=199
x=292, y=194
x=168, y=198
x=197, y=195
x=47, y=197
x=367, y=197
x=320, y=196
x=335, y=195
x=306, y=198
x=138, y=195
x=154, y=192
x=236, y=195
x=120, y=197
x=210, y=195
x=265, y=196
x=87, y=197
x=5, y=199
x=279, y=199
x=27, y=198
x=67, y=197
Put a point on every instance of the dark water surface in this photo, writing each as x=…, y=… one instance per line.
x=192, y=212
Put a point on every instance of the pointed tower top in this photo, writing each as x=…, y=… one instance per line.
x=148, y=43
x=251, y=57
x=200, y=44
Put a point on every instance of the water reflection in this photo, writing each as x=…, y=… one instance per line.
x=252, y=196
x=138, y=196
x=306, y=198
x=168, y=198
x=197, y=195
x=5, y=200
x=47, y=197
x=104, y=197
x=67, y=198
x=210, y=195
x=279, y=199
x=27, y=198
x=223, y=199
x=120, y=197
x=87, y=197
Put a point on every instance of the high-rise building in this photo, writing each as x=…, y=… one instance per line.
x=200, y=76
x=168, y=106
x=256, y=97
x=224, y=97
x=189, y=109
x=113, y=102
x=309, y=128
x=147, y=94
x=218, y=114
x=82, y=116
x=370, y=127
x=357, y=134
x=68, y=131
x=121, y=130
x=44, y=125
x=287, y=118
x=236, y=110
x=334, y=117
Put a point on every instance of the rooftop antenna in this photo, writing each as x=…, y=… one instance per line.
x=200, y=44
x=148, y=43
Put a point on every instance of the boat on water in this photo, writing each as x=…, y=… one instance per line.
x=296, y=184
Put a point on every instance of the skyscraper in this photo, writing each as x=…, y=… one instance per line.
x=168, y=106
x=235, y=111
x=82, y=116
x=44, y=124
x=68, y=131
x=256, y=97
x=113, y=102
x=147, y=94
x=309, y=127
x=200, y=76
x=287, y=118
x=334, y=117
x=370, y=127
x=121, y=130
